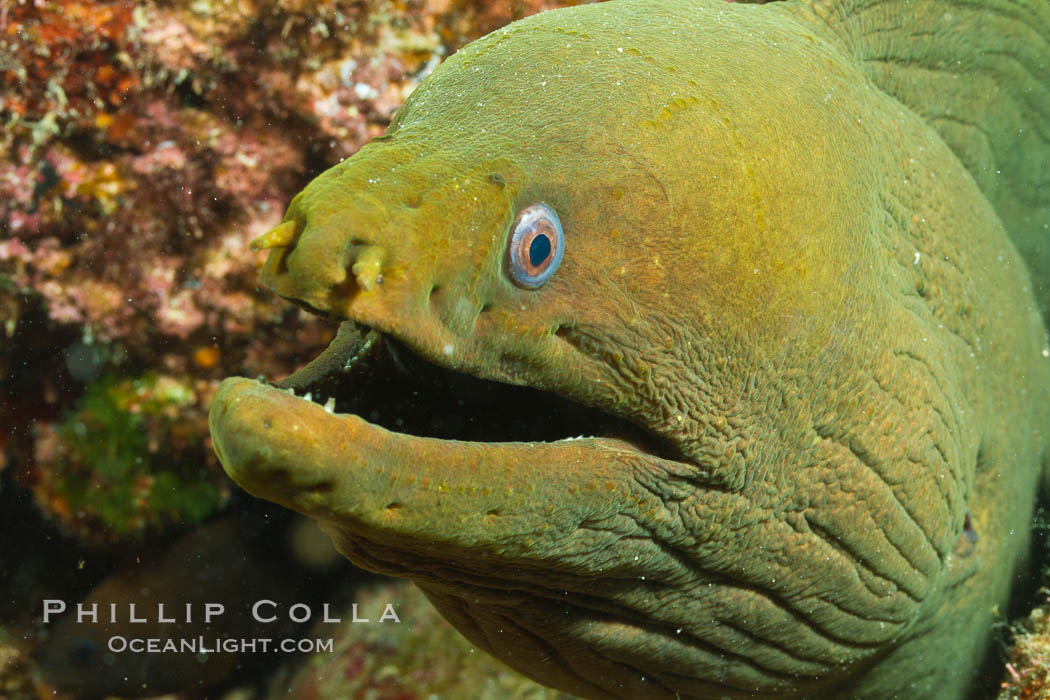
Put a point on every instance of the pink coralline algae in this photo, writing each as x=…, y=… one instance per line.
x=147, y=143
x=1027, y=675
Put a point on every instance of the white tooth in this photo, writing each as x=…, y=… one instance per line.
x=309, y=396
x=329, y=405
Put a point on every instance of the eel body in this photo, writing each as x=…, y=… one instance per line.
x=786, y=408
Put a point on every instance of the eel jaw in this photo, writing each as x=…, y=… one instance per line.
x=387, y=485
x=550, y=555
x=416, y=493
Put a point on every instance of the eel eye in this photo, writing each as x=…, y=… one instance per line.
x=536, y=246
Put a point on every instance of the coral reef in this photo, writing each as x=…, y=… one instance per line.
x=1027, y=675
x=127, y=459
x=144, y=145
x=15, y=675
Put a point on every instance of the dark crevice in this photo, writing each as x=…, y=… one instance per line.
x=390, y=386
x=282, y=268
x=981, y=463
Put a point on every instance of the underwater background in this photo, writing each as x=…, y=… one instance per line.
x=144, y=145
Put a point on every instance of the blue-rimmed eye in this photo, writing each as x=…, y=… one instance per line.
x=536, y=246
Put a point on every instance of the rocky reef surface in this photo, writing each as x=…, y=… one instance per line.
x=144, y=145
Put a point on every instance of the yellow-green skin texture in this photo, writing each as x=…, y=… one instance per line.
x=775, y=264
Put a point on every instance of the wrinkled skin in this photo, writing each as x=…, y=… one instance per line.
x=780, y=273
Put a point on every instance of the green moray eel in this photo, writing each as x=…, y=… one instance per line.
x=787, y=388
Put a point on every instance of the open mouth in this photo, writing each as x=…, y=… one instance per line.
x=377, y=378
x=392, y=449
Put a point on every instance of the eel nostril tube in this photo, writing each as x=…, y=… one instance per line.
x=280, y=236
x=368, y=267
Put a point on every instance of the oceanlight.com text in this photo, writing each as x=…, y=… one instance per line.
x=202, y=645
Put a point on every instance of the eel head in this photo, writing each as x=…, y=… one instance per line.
x=596, y=478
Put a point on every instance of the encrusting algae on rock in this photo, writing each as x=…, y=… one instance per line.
x=126, y=460
x=1027, y=674
x=146, y=143
x=786, y=377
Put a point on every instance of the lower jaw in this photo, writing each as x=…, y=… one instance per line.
x=407, y=491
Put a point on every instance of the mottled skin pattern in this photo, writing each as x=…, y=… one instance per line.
x=774, y=265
